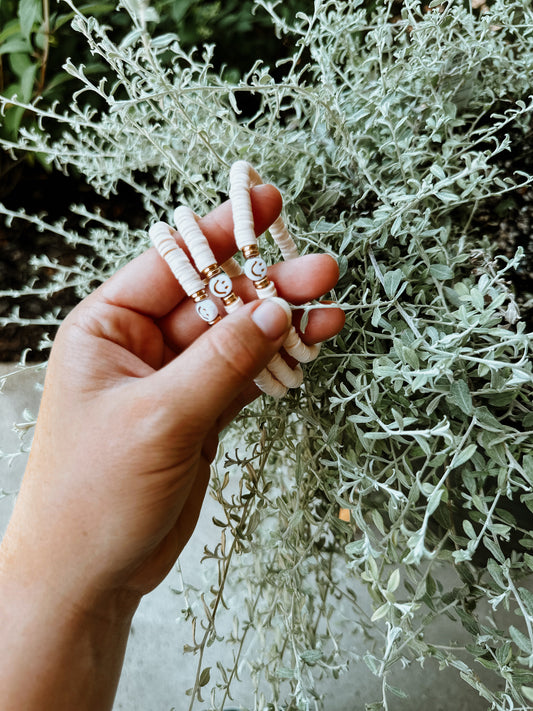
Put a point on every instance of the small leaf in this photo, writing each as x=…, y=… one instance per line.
x=437, y=170
x=311, y=656
x=205, y=676
x=528, y=692
x=520, y=639
x=29, y=12
x=380, y=612
x=464, y=456
x=460, y=396
x=469, y=529
x=391, y=282
x=394, y=581
x=233, y=103
x=434, y=500
x=494, y=548
x=442, y=272
x=376, y=316
x=503, y=653
x=527, y=599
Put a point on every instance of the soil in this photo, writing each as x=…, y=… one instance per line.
x=36, y=190
x=506, y=222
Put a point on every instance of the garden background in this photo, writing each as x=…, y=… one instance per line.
x=399, y=134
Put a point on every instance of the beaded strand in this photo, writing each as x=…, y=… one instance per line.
x=209, y=275
x=161, y=236
x=219, y=283
x=243, y=177
x=278, y=376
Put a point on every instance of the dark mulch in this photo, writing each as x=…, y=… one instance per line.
x=37, y=191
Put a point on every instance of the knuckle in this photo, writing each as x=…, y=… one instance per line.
x=236, y=352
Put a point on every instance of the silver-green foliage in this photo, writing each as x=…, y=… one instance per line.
x=385, y=136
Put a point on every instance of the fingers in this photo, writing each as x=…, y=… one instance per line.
x=146, y=285
x=202, y=382
x=298, y=281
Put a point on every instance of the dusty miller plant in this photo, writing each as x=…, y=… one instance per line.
x=385, y=135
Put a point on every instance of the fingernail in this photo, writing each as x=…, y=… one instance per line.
x=273, y=316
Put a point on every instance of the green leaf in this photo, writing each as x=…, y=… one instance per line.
x=460, y=396
x=26, y=83
x=380, y=612
x=442, y=272
x=29, y=12
x=504, y=653
x=376, y=316
x=527, y=465
x=493, y=548
x=464, y=456
x=485, y=418
x=15, y=45
x=205, y=676
x=528, y=692
x=527, y=599
x=311, y=656
x=469, y=529
x=391, y=282
x=446, y=196
x=520, y=639
x=434, y=500
x=394, y=581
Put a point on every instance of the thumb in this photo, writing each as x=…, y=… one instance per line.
x=210, y=374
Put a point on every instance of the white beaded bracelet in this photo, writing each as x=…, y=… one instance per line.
x=278, y=376
x=275, y=380
x=218, y=281
x=243, y=177
x=163, y=240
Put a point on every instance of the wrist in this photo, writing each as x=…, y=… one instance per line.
x=73, y=638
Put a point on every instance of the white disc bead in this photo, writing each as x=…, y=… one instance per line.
x=299, y=350
x=269, y=385
x=282, y=238
x=163, y=240
x=194, y=238
x=242, y=178
x=282, y=371
x=267, y=292
x=230, y=308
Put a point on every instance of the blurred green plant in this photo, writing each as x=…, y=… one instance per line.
x=35, y=41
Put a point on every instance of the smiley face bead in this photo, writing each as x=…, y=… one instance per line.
x=208, y=311
x=206, y=307
x=255, y=268
x=220, y=285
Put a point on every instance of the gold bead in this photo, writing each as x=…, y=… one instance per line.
x=230, y=299
x=250, y=250
x=211, y=271
x=262, y=283
x=199, y=295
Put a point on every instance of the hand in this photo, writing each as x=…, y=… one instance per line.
x=137, y=391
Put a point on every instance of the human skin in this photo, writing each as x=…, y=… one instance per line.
x=137, y=391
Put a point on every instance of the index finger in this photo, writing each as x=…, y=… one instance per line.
x=146, y=285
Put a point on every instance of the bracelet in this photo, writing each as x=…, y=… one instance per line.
x=163, y=240
x=274, y=380
x=207, y=274
x=243, y=177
